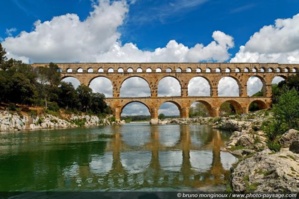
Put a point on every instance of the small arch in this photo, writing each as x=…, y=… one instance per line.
x=188, y=70
x=237, y=70
x=178, y=70
x=227, y=70
x=158, y=70
x=257, y=105
x=80, y=70
x=139, y=70
x=69, y=70
x=130, y=70
x=110, y=70
x=198, y=70
x=218, y=70
x=100, y=70
x=246, y=70
x=120, y=70
x=230, y=107
x=168, y=70
x=90, y=70
x=208, y=70
x=148, y=70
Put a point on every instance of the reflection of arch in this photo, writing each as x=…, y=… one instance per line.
x=257, y=105
x=250, y=86
x=199, y=83
x=235, y=105
x=101, y=84
x=169, y=86
x=223, y=86
x=139, y=82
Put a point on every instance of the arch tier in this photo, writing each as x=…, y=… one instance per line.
x=117, y=73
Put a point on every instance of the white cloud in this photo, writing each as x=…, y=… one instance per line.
x=66, y=38
x=273, y=43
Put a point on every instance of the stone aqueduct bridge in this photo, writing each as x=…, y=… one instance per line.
x=152, y=73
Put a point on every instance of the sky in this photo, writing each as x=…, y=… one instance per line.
x=37, y=31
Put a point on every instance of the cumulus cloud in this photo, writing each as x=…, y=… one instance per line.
x=273, y=43
x=66, y=38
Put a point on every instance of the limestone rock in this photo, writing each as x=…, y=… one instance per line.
x=294, y=147
x=288, y=137
x=267, y=172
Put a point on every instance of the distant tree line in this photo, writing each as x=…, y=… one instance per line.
x=21, y=83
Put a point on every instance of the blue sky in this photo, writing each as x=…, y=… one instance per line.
x=151, y=31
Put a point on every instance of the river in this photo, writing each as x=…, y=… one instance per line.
x=137, y=157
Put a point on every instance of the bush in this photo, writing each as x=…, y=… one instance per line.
x=274, y=146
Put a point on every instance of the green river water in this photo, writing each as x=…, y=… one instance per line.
x=137, y=157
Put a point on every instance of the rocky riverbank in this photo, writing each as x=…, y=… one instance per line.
x=14, y=121
x=259, y=169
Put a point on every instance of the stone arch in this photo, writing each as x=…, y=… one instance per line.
x=256, y=105
x=80, y=70
x=234, y=104
x=167, y=112
x=132, y=102
x=90, y=70
x=101, y=84
x=73, y=80
x=199, y=86
x=170, y=86
x=139, y=88
x=207, y=105
x=229, y=86
x=120, y=70
x=256, y=84
x=130, y=70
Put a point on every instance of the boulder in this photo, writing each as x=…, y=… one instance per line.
x=267, y=172
x=294, y=147
x=288, y=137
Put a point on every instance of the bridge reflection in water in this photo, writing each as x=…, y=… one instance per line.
x=155, y=159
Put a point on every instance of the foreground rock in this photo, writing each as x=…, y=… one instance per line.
x=267, y=172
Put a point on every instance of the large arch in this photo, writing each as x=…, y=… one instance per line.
x=256, y=86
x=73, y=80
x=170, y=108
x=201, y=108
x=135, y=87
x=199, y=86
x=257, y=105
x=169, y=86
x=102, y=85
x=228, y=87
x=237, y=108
x=133, y=108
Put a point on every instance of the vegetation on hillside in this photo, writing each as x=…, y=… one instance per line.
x=23, y=84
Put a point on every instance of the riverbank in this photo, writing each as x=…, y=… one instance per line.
x=259, y=169
x=22, y=121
